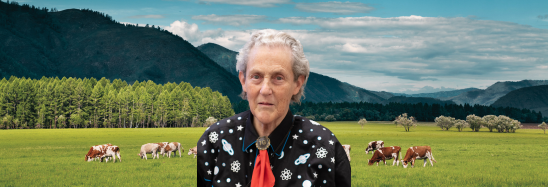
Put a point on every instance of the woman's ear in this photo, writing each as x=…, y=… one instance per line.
x=299, y=82
x=241, y=76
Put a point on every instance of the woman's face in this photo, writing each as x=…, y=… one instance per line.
x=269, y=83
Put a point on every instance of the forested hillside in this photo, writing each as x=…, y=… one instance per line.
x=83, y=103
x=534, y=98
x=83, y=43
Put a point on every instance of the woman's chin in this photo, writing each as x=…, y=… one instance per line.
x=265, y=117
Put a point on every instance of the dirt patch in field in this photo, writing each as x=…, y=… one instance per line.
x=530, y=125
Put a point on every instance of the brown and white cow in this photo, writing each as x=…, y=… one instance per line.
x=152, y=148
x=347, y=150
x=374, y=145
x=95, y=152
x=111, y=151
x=193, y=150
x=386, y=153
x=172, y=147
x=418, y=152
x=163, y=146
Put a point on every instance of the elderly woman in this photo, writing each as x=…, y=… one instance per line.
x=267, y=145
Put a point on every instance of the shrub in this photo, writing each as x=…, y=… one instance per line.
x=475, y=122
x=489, y=122
x=362, y=122
x=330, y=118
x=210, y=121
x=506, y=124
x=406, y=122
x=543, y=127
x=461, y=124
x=445, y=123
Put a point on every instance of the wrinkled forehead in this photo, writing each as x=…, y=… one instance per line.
x=271, y=57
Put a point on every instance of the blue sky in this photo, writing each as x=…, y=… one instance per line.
x=397, y=46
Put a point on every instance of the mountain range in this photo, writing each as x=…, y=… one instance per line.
x=533, y=98
x=85, y=43
x=319, y=88
x=493, y=92
x=443, y=95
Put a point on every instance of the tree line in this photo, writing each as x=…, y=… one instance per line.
x=346, y=111
x=82, y=103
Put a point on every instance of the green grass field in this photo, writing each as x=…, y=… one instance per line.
x=44, y=157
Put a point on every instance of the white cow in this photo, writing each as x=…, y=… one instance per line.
x=112, y=151
x=347, y=150
x=172, y=147
x=152, y=148
x=193, y=150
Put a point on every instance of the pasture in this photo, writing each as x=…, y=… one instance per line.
x=55, y=157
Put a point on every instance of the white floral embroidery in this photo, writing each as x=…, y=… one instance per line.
x=333, y=159
x=321, y=153
x=213, y=137
x=235, y=166
x=286, y=174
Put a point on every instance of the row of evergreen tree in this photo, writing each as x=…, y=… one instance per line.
x=346, y=111
x=78, y=103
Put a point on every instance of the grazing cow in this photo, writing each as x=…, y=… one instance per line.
x=111, y=151
x=418, y=152
x=163, y=146
x=173, y=147
x=392, y=152
x=347, y=150
x=152, y=148
x=193, y=150
x=374, y=145
x=95, y=152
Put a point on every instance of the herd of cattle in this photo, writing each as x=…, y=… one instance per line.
x=393, y=152
x=106, y=151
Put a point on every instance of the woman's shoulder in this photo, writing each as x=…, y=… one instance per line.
x=313, y=129
x=230, y=122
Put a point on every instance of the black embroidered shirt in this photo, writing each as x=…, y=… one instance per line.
x=302, y=153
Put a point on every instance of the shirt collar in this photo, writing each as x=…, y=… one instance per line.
x=277, y=137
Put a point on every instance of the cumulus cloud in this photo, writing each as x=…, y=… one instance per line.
x=190, y=32
x=335, y=7
x=233, y=20
x=147, y=16
x=255, y=3
x=407, y=52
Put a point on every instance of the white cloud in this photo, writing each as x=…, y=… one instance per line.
x=335, y=7
x=190, y=32
x=255, y=3
x=234, y=20
x=407, y=53
x=147, y=16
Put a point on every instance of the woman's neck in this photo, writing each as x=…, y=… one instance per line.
x=267, y=128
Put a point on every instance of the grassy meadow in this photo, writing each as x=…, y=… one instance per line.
x=55, y=157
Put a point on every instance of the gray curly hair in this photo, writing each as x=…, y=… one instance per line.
x=270, y=37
